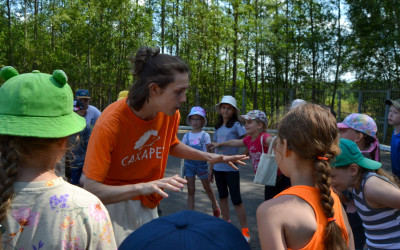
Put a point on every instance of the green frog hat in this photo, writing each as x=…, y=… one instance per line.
x=37, y=105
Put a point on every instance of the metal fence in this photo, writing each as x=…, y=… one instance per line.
x=276, y=102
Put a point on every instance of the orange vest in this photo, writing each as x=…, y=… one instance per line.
x=311, y=196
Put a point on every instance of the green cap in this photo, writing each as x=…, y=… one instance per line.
x=37, y=105
x=350, y=153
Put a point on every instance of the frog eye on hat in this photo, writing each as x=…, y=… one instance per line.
x=60, y=76
x=7, y=72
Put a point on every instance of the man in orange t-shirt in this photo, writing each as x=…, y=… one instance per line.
x=130, y=143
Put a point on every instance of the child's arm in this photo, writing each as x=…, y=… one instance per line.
x=231, y=143
x=267, y=141
x=270, y=222
x=379, y=193
x=181, y=150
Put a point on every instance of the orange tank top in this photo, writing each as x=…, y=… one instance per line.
x=311, y=196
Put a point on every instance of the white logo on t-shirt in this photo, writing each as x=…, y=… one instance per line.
x=143, y=149
x=147, y=139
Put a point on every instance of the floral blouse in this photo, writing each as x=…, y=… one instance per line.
x=56, y=215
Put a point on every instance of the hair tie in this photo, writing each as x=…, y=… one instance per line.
x=322, y=158
x=332, y=219
x=153, y=52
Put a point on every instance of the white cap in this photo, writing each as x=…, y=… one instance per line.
x=229, y=100
x=296, y=103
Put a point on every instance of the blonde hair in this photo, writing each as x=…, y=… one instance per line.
x=311, y=132
x=361, y=171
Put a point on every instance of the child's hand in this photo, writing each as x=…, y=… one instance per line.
x=229, y=159
x=212, y=146
x=268, y=141
x=208, y=146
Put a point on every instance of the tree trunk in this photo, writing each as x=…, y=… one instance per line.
x=338, y=60
x=255, y=101
x=235, y=45
x=10, y=49
x=162, y=25
x=313, y=52
x=177, y=28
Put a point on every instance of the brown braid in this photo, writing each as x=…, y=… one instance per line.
x=9, y=158
x=333, y=233
x=311, y=131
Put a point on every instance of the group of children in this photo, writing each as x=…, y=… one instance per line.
x=229, y=135
x=371, y=208
x=320, y=163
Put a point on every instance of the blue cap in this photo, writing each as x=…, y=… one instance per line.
x=186, y=230
x=82, y=93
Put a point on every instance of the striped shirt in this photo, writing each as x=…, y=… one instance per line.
x=382, y=225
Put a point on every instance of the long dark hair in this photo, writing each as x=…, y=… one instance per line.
x=152, y=67
x=229, y=123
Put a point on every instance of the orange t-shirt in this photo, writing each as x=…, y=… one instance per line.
x=124, y=149
x=312, y=197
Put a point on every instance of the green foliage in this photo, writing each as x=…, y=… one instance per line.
x=265, y=52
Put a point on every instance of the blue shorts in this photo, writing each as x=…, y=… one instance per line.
x=200, y=170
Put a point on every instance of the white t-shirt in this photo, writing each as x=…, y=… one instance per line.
x=91, y=116
x=194, y=139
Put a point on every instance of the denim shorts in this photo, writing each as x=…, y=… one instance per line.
x=200, y=170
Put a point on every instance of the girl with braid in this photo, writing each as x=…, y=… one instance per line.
x=309, y=214
x=38, y=209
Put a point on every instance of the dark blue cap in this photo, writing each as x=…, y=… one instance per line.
x=186, y=230
x=82, y=93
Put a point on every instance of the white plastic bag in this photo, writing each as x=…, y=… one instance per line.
x=267, y=167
